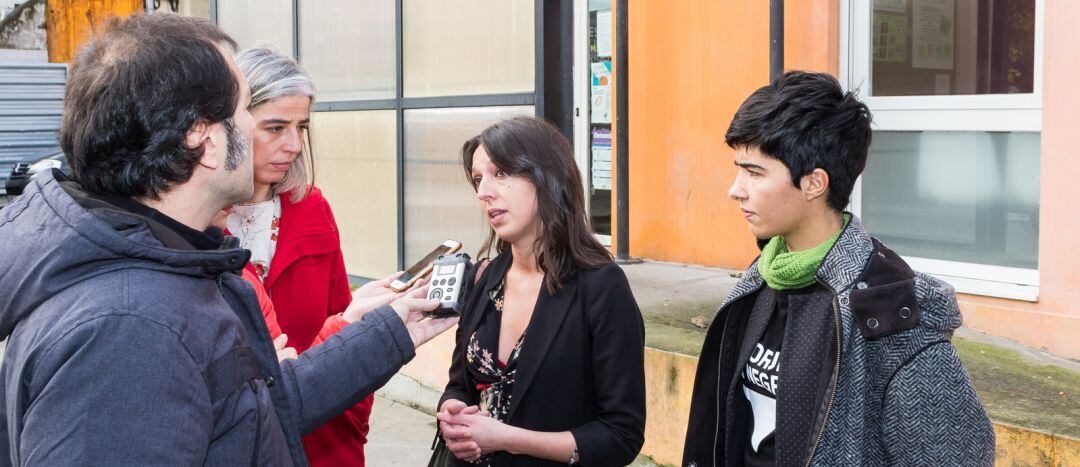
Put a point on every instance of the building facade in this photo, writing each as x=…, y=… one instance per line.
x=972, y=169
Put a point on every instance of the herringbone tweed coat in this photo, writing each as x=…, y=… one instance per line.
x=901, y=395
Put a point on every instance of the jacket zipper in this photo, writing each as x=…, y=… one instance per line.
x=258, y=408
x=719, y=375
x=258, y=423
x=835, y=378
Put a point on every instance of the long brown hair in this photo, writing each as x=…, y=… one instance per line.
x=535, y=150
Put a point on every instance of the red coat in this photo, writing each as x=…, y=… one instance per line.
x=332, y=325
x=307, y=284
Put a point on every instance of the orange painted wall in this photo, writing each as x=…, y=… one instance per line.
x=1059, y=223
x=1054, y=322
x=690, y=68
x=71, y=22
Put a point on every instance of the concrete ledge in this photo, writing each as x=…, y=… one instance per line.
x=669, y=382
x=1029, y=324
x=407, y=391
x=1021, y=446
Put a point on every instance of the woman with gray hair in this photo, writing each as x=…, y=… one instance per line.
x=290, y=230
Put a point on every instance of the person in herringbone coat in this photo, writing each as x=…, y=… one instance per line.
x=830, y=350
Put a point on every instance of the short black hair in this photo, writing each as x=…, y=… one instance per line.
x=807, y=121
x=133, y=94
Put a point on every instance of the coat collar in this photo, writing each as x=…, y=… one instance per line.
x=307, y=229
x=880, y=289
x=480, y=295
x=839, y=270
x=848, y=257
x=496, y=271
x=548, y=317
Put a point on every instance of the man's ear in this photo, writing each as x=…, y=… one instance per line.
x=200, y=136
x=815, y=184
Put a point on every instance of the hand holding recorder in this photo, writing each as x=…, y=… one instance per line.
x=412, y=310
x=448, y=285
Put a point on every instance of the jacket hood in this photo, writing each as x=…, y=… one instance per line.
x=872, y=281
x=50, y=243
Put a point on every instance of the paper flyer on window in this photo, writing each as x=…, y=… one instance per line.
x=895, y=6
x=933, y=32
x=601, y=92
x=601, y=159
x=890, y=37
x=603, y=33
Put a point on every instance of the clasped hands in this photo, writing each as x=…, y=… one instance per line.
x=469, y=432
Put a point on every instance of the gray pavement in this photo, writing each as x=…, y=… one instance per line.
x=401, y=435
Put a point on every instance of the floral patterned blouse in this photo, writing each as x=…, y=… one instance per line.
x=494, y=378
x=256, y=225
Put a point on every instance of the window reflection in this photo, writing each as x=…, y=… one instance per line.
x=950, y=47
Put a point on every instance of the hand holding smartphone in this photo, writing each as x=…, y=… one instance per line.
x=423, y=267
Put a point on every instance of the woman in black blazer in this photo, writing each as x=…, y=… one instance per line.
x=549, y=363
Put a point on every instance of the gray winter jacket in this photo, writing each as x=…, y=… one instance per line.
x=122, y=351
x=868, y=375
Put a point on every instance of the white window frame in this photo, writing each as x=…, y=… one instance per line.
x=986, y=112
x=581, y=95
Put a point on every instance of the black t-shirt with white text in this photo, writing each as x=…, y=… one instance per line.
x=759, y=381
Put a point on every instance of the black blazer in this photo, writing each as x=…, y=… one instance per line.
x=581, y=368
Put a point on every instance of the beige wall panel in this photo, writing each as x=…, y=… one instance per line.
x=355, y=167
x=198, y=8
x=348, y=47
x=258, y=22
x=195, y=8
x=439, y=201
x=465, y=47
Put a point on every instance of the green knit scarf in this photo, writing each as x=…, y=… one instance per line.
x=786, y=270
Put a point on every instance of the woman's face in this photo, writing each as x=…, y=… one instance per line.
x=277, y=140
x=508, y=202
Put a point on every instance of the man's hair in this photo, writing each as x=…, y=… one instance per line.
x=133, y=94
x=807, y=121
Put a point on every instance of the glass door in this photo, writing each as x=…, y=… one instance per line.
x=594, y=112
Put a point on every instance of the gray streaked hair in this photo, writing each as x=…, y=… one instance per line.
x=271, y=76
